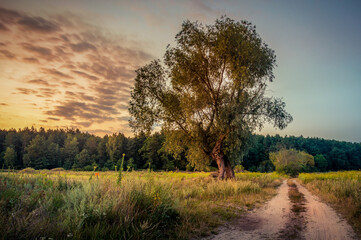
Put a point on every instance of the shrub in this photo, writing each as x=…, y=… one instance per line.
x=88, y=168
x=57, y=169
x=238, y=169
x=28, y=170
x=291, y=161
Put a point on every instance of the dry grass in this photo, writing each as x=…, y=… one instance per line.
x=171, y=205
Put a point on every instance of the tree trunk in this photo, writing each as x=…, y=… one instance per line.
x=225, y=170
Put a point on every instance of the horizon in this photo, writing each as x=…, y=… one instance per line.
x=71, y=65
x=132, y=136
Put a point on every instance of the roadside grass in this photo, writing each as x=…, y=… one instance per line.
x=341, y=189
x=146, y=205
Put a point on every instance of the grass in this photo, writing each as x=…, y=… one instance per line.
x=155, y=205
x=341, y=189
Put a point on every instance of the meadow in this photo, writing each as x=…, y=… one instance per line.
x=342, y=190
x=57, y=204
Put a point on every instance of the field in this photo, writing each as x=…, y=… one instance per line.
x=142, y=205
x=340, y=189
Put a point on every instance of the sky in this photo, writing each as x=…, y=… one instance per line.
x=72, y=63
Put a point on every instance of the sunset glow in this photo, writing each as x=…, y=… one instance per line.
x=72, y=64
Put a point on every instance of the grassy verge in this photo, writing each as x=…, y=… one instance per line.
x=341, y=189
x=84, y=205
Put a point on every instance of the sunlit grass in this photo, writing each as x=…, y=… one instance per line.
x=146, y=205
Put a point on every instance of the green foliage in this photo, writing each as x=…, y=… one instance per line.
x=82, y=159
x=321, y=162
x=70, y=151
x=238, y=169
x=131, y=165
x=291, y=161
x=116, y=146
x=36, y=153
x=10, y=157
x=209, y=88
x=338, y=155
x=88, y=168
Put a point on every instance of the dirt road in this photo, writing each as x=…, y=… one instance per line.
x=294, y=213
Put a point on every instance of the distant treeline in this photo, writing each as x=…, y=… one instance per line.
x=73, y=149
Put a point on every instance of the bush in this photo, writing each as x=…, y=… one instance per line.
x=28, y=170
x=57, y=169
x=88, y=168
x=238, y=169
x=291, y=161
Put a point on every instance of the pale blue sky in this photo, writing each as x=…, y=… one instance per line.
x=317, y=44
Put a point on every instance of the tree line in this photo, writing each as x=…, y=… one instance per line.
x=329, y=155
x=73, y=149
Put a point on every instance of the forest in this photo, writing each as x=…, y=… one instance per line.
x=76, y=150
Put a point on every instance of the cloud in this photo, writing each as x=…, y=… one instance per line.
x=30, y=60
x=84, y=124
x=57, y=73
x=201, y=6
x=85, y=75
x=37, y=24
x=26, y=91
x=47, y=92
x=75, y=111
x=53, y=119
x=7, y=54
x=3, y=28
x=82, y=46
x=40, y=82
x=40, y=51
x=81, y=74
x=124, y=118
x=8, y=16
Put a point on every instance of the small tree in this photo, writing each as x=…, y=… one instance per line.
x=10, y=157
x=291, y=161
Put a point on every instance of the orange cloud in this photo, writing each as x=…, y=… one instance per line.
x=77, y=73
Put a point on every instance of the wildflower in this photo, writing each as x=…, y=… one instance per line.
x=156, y=199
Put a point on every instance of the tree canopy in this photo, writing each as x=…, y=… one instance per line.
x=208, y=93
x=141, y=150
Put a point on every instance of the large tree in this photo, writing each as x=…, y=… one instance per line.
x=208, y=94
